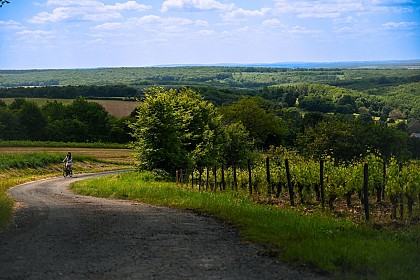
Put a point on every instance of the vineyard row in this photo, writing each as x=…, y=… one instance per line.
x=324, y=181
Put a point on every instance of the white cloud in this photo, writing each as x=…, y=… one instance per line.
x=91, y=10
x=83, y=3
x=64, y=13
x=206, y=32
x=169, y=5
x=111, y=26
x=348, y=19
x=391, y=2
x=35, y=35
x=10, y=25
x=57, y=14
x=345, y=30
x=302, y=30
x=319, y=15
x=200, y=22
x=318, y=9
x=272, y=22
x=128, y=6
x=399, y=25
x=148, y=22
x=242, y=13
x=338, y=8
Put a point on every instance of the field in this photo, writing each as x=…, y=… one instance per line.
x=124, y=156
x=117, y=108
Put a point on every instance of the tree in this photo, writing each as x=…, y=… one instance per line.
x=263, y=126
x=236, y=144
x=292, y=123
x=312, y=119
x=54, y=110
x=10, y=128
x=93, y=116
x=346, y=140
x=290, y=99
x=176, y=130
x=33, y=121
x=17, y=104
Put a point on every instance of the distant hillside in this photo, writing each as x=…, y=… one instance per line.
x=385, y=64
x=242, y=78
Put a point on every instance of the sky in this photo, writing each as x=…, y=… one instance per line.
x=103, y=33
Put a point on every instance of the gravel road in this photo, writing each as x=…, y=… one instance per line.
x=56, y=234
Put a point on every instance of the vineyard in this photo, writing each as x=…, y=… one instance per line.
x=374, y=189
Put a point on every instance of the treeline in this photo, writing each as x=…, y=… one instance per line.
x=316, y=134
x=178, y=129
x=70, y=92
x=215, y=76
x=81, y=121
x=389, y=103
x=312, y=118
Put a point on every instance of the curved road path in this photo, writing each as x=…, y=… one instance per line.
x=56, y=234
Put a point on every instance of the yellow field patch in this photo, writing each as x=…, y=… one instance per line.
x=117, y=108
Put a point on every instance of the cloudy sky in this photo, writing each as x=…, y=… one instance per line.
x=105, y=33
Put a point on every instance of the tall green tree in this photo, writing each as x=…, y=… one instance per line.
x=237, y=146
x=33, y=121
x=10, y=128
x=263, y=126
x=175, y=129
x=93, y=116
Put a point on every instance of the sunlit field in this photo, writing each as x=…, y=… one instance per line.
x=108, y=155
x=117, y=108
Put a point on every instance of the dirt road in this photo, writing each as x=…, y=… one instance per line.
x=59, y=235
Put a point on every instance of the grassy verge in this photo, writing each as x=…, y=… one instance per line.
x=17, y=169
x=337, y=246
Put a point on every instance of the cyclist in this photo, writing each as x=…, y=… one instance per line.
x=68, y=162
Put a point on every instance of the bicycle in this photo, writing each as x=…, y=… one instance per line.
x=68, y=170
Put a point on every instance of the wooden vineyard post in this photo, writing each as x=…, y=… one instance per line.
x=289, y=183
x=321, y=182
x=177, y=177
x=249, y=177
x=267, y=164
x=235, y=181
x=366, y=190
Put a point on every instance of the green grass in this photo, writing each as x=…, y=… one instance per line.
x=61, y=144
x=337, y=246
x=35, y=160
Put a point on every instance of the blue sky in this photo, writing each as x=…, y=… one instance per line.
x=103, y=33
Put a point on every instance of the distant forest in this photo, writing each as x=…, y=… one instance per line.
x=375, y=91
x=388, y=97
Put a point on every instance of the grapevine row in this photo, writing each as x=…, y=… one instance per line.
x=267, y=176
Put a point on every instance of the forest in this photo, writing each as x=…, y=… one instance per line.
x=277, y=106
x=80, y=121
